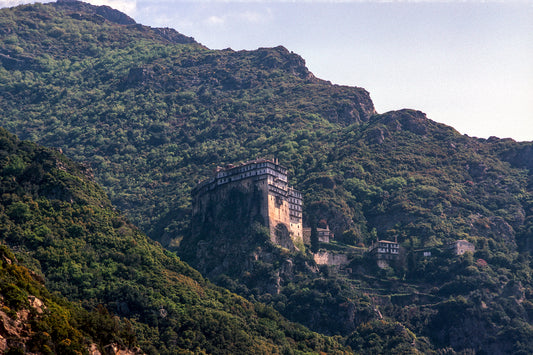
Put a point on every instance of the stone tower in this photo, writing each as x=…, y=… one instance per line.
x=279, y=205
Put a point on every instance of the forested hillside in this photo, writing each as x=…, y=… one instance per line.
x=65, y=230
x=34, y=320
x=154, y=112
x=151, y=112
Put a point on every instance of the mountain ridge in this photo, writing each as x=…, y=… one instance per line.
x=106, y=12
x=152, y=117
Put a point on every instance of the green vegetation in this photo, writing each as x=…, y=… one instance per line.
x=33, y=319
x=152, y=116
x=65, y=229
x=380, y=337
x=151, y=112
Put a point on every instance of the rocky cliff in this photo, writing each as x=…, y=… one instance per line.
x=153, y=112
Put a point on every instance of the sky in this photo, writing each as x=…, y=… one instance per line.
x=465, y=63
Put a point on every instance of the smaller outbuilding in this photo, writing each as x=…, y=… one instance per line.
x=325, y=235
x=459, y=247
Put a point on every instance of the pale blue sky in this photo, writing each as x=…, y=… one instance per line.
x=468, y=64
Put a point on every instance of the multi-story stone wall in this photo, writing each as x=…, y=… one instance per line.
x=280, y=205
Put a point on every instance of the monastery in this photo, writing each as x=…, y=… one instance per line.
x=280, y=204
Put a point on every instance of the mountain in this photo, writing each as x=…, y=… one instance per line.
x=143, y=102
x=61, y=226
x=152, y=112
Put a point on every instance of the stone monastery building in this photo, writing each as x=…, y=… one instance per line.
x=280, y=204
x=385, y=251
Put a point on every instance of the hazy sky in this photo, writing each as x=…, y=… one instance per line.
x=468, y=64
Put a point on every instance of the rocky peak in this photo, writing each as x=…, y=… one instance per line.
x=106, y=12
x=173, y=36
x=280, y=58
x=83, y=11
x=406, y=120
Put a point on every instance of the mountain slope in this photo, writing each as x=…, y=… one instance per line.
x=153, y=104
x=152, y=112
x=34, y=320
x=64, y=228
x=141, y=105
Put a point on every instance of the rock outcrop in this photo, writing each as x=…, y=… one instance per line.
x=106, y=12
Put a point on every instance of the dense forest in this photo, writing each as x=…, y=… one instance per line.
x=62, y=227
x=150, y=112
x=38, y=321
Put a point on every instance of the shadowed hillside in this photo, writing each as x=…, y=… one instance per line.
x=65, y=230
x=152, y=112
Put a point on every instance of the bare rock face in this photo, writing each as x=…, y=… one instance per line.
x=37, y=304
x=8, y=326
x=377, y=135
x=357, y=110
x=173, y=36
x=406, y=120
x=280, y=58
x=229, y=241
x=106, y=12
x=520, y=156
x=14, y=330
